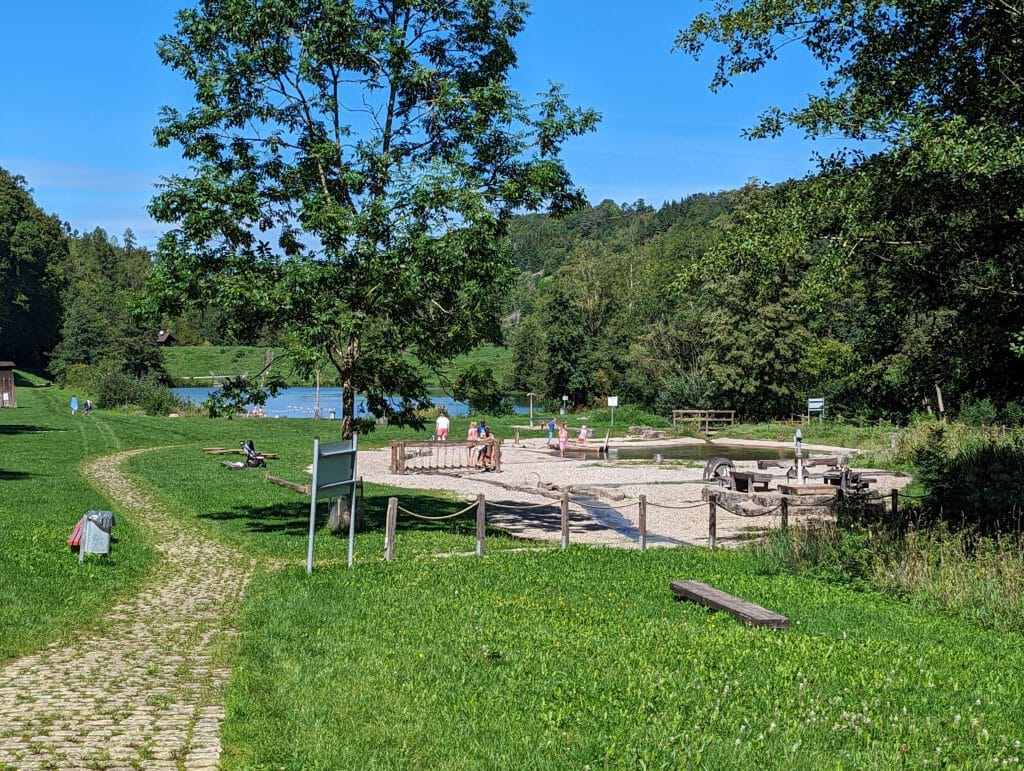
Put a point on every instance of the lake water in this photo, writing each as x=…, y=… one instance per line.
x=300, y=402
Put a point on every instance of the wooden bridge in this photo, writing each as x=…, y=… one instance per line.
x=708, y=421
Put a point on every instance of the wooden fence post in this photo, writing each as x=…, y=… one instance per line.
x=712, y=523
x=643, y=523
x=785, y=512
x=481, y=524
x=401, y=457
x=497, y=456
x=390, y=524
x=565, y=520
x=895, y=494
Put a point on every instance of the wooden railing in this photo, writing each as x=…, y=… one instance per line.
x=443, y=456
x=708, y=421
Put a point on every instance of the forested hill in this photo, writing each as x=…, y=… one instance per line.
x=539, y=242
x=876, y=289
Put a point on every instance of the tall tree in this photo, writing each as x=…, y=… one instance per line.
x=354, y=163
x=31, y=244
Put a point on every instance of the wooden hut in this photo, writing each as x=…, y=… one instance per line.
x=8, y=398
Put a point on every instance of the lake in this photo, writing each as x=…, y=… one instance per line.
x=300, y=402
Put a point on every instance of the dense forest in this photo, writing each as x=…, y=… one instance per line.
x=888, y=284
x=752, y=299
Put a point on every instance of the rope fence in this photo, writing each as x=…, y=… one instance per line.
x=713, y=503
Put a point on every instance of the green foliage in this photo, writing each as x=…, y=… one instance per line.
x=979, y=485
x=117, y=389
x=385, y=260
x=477, y=386
x=32, y=244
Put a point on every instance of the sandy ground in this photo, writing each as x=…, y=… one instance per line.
x=534, y=476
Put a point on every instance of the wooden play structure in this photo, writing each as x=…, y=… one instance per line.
x=8, y=397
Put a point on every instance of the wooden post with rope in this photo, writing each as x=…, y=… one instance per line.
x=785, y=512
x=390, y=525
x=481, y=524
x=712, y=523
x=895, y=504
x=565, y=520
x=643, y=523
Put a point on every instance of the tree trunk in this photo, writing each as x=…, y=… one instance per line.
x=338, y=520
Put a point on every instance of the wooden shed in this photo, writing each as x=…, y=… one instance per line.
x=8, y=398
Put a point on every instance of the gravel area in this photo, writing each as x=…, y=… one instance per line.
x=533, y=474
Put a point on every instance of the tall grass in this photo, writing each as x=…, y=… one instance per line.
x=978, y=578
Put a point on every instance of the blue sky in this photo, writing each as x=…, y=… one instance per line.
x=82, y=86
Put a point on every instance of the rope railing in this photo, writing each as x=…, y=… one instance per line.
x=439, y=517
x=714, y=502
x=676, y=508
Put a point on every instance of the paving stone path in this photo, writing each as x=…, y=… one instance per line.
x=144, y=687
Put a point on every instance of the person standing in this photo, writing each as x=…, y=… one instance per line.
x=87, y=408
x=441, y=426
x=563, y=438
x=482, y=429
x=551, y=430
x=74, y=406
x=471, y=446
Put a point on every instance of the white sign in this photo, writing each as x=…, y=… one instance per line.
x=613, y=401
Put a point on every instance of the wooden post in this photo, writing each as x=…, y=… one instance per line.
x=643, y=523
x=517, y=434
x=497, y=456
x=565, y=520
x=712, y=523
x=401, y=457
x=481, y=524
x=785, y=512
x=390, y=525
x=895, y=495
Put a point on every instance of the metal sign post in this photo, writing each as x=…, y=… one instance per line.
x=613, y=402
x=334, y=470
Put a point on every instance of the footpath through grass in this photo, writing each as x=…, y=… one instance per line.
x=583, y=659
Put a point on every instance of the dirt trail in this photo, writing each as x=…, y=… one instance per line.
x=144, y=687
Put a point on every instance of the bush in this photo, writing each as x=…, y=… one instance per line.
x=980, y=413
x=977, y=485
x=1013, y=414
x=115, y=388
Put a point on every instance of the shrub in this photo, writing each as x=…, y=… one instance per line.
x=980, y=413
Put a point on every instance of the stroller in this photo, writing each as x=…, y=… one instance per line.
x=253, y=459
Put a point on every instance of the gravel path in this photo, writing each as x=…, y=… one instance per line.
x=143, y=688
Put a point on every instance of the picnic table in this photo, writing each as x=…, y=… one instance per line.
x=746, y=481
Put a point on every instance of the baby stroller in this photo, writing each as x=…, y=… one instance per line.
x=253, y=459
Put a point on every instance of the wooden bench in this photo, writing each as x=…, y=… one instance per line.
x=746, y=481
x=716, y=599
x=794, y=489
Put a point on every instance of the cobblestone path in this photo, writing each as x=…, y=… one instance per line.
x=144, y=687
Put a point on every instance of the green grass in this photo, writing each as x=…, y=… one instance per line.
x=524, y=660
x=582, y=659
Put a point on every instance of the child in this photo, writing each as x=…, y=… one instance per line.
x=563, y=439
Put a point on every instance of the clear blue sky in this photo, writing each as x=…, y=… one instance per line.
x=82, y=86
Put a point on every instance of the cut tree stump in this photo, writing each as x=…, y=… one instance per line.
x=716, y=599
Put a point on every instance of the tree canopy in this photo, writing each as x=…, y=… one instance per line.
x=353, y=165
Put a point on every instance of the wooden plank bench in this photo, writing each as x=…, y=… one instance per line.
x=746, y=481
x=716, y=599
x=795, y=489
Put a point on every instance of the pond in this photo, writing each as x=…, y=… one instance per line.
x=301, y=401
x=702, y=452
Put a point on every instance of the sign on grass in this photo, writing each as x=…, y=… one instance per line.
x=334, y=474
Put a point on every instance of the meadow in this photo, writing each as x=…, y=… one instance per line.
x=542, y=659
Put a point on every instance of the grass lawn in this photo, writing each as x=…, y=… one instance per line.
x=583, y=660
x=518, y=660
